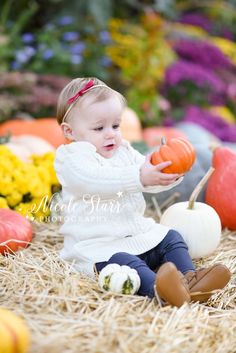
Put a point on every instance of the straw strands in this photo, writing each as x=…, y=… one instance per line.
x=67, y=312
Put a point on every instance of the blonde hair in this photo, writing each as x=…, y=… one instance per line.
x=100, y=91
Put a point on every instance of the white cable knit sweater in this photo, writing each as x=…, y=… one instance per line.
x=105, y=205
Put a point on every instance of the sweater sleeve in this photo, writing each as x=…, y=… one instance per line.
x=81, y=173
x=139, y=160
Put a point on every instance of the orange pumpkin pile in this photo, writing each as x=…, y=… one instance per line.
x=179, y=151
x=46, y=128
x=152, y=135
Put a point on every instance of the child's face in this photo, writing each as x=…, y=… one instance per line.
x=99, y=124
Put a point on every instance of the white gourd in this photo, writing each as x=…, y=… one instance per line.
x=197, y=222
x=119, y=279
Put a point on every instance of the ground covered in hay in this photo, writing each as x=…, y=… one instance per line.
x=67, y=312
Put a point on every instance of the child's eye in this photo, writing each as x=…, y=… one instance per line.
x=98, y=128
x=116, y=126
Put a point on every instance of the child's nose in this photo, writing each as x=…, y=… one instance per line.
x=110, y=133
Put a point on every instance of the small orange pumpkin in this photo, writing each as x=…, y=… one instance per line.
x=179, y=151
x=46, y=128
x=152, y=135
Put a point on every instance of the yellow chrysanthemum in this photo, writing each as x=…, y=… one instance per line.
x=3, y=203
x=224, y=113
x=138, y=49
x=23, y=186
x=226, y=46
x=14, y=198
x=24, y=209
x=187, y=30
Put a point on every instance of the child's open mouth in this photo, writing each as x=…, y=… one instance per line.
x=109, y=147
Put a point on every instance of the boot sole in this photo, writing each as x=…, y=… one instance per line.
x=221, y=278
x=169, y=286
x=202, y=296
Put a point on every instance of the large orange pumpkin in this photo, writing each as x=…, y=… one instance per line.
x=46, y=128
x=221, y=191
x=152, y=135
x=130, y=126
x=179, y=151
x=15, y=231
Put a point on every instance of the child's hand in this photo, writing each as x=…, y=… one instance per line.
x=151, y=174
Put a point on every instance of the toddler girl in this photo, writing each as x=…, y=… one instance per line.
x=102, y=180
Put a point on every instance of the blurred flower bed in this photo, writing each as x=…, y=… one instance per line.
x=169, y=63
x=191, y=69
x=29, y=94
x=174, y=61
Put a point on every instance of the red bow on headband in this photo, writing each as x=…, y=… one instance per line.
x=88, y=85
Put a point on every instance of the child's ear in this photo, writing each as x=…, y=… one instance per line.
x=67, y=131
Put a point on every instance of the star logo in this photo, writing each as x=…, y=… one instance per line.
x=119, y=193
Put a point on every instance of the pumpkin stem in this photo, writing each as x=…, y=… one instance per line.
x=198, y=188
x=163, y=140
x=213, y=146
x=5, y=138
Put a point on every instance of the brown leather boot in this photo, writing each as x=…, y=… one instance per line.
x=205, y=282
x=171, y=286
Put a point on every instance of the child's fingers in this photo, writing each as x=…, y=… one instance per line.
x=165, y=182
x=168, y=177
x=148, y=157
x=163, y=165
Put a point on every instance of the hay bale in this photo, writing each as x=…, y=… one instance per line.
x=67, y=312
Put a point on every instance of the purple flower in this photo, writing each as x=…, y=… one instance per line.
x=77, y=48
x=105, y=61
x=48, y=54
x=182, y=71
x=25, y=54
x=15, y=65
x=202, y=53
x=27, y=38
x=227, y=34
x=196, y=20
x=70, y=36
x=168, y=121
x=65, y=20
x=21, y=57
x=104, y=37
x=30, y=51
x=213, y=123
x=76, y=59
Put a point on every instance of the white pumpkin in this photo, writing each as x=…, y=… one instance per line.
x=25, y=145
x=197, y=222
x=119, y=279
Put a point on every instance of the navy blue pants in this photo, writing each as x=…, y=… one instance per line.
x=172, y=248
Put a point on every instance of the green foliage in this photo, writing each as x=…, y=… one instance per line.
x=188, y=94
x=56, y=48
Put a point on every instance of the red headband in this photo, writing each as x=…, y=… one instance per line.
x=88, y=85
